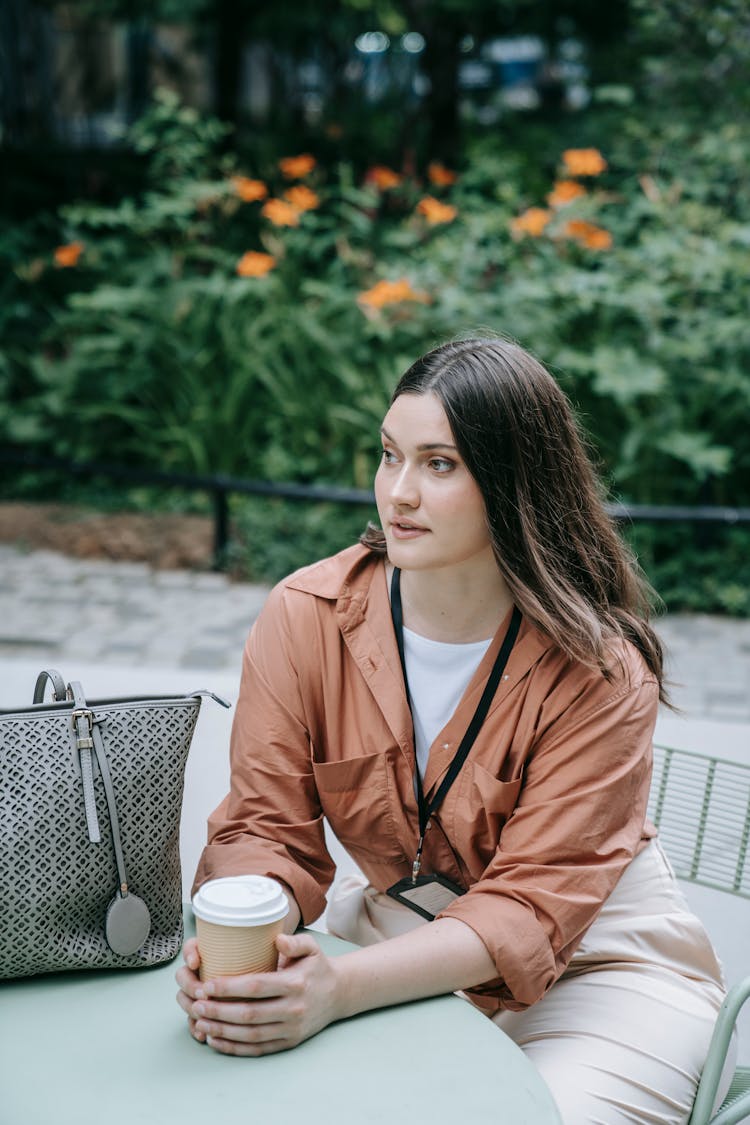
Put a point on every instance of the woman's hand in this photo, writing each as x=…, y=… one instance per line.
x=261, y=1013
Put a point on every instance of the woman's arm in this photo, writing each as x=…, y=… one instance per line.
x=271, y=822
x=441, y=957
x=578, y=822
x=262, y=1013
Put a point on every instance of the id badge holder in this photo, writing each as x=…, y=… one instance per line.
x=426, y=895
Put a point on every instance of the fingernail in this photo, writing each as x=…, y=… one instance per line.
x=199, y=1010
x=200, y=994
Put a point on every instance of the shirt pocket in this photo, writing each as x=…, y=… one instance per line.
x=484, y=805
x=356, y=797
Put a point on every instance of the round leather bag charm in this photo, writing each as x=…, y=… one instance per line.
x=128, y=924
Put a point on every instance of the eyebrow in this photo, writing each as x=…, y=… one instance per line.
x=424, y=446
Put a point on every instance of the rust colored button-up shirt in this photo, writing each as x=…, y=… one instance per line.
x=545, y=815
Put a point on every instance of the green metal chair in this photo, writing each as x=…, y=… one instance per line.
x=701, y=806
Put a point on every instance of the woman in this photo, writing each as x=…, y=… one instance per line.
x=469, y=697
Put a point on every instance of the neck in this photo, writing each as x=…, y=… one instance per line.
x=456, y=605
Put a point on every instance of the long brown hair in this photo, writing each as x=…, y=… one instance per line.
x=559, y=551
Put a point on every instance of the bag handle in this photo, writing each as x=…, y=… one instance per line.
x=88, y=743
x=58, y=686
x=128, y=921
x=82, y=737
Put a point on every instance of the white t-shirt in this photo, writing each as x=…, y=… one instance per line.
x=438, y=675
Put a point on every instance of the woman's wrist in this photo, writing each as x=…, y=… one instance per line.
x=345, y=990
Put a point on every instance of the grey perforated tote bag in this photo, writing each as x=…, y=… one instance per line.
x=90, y=803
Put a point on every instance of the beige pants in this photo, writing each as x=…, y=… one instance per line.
x=623, y=1035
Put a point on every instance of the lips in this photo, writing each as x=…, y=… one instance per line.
x=406, y=529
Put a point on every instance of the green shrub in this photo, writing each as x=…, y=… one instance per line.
x=273, y=537
x=166, y=346
x=697, y=568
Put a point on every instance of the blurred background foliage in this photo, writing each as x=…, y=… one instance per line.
x=174, y=295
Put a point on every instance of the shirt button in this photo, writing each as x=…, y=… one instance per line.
x=446, y=746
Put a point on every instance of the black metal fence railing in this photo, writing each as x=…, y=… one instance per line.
x=220, y=487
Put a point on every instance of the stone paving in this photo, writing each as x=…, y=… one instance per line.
x=121, y=612
x=57, y=607
x=708, y=664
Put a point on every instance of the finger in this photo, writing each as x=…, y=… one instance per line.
x=194, y=1011
x=240, y=1013
x=240, y=1033
x=294, y=946
x=196, y=1032
x=284, y=962
x=191, y=954
x=249, y=986
x=262, y=1047
x=189, y=982
x=186, y=1002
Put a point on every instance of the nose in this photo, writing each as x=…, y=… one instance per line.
x=404, y=489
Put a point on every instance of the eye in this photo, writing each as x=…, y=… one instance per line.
x=389, y=457
x=441, y=464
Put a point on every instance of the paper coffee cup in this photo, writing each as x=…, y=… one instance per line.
x=237, y=919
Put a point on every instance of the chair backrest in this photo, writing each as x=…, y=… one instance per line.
x=701, y=806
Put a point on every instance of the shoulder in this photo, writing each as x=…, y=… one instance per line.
x=568, y=692
x=321, y=588
x=332, y=577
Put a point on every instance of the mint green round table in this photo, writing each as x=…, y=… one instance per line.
x=112, y=1048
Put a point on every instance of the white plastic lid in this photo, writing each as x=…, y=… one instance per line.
x=241, y=900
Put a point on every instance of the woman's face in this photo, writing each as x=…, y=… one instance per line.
x=430, y=506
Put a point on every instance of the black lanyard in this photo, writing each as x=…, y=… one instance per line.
x=427, y=808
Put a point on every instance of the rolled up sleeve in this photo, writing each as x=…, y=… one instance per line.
x=578, y=822
x=271, y=822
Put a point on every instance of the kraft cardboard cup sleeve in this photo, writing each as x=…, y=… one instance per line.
x=237, y=919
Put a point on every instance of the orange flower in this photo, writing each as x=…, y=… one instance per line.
x=281, y=214
x=295, y=167
x=531, y=221
x=249, y=190
x=390, y=293
x=435, y=211
x=68, y=254
x=384, y=178
x=302, y=198
x=253, y=264
x=438, y=174
x=564, y=192
x=588, y=235
x=584, y=161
